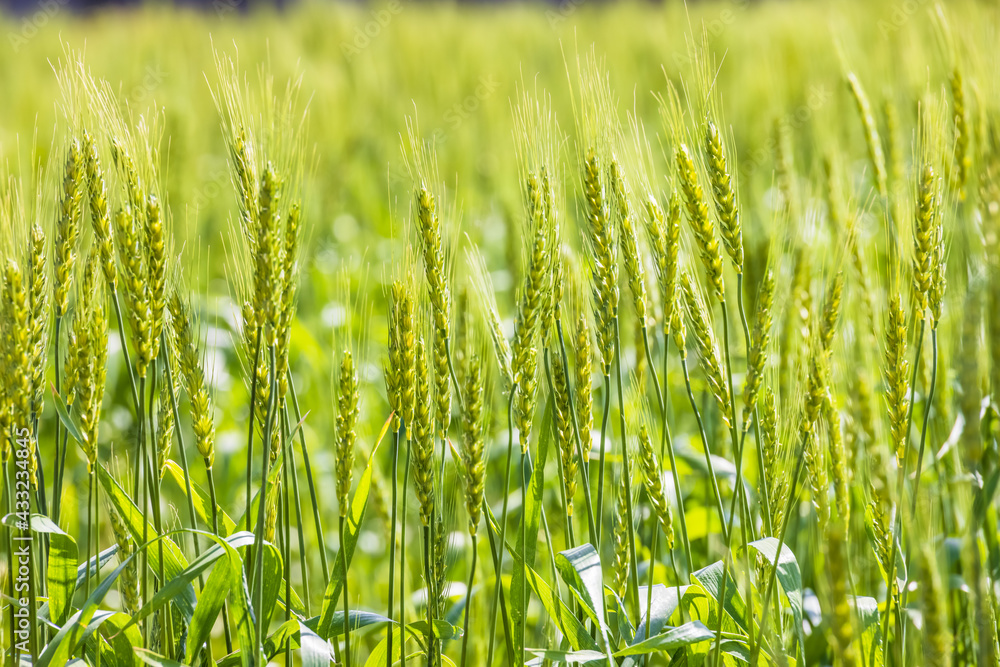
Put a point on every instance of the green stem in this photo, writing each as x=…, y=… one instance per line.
x=738, y=490
x=468, y=603
x=320, y=534
x=773, y=570
x=625, y=467
x=600, y=468
x=666, y=442
x=402, y=556
x=897, y=527
x=503, y=531
x=428, y=531
x=584, y=472
x=250, y=426
x=396, y=436
x=60, y=458
x=704, y=442
x=215, y=528
x=258, y=543
x=300, y=533
x=928, y=404
x=347, y=614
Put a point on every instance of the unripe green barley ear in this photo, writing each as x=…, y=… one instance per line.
x=872, y=140
x=99, y=218
x=831, y=314
x=936, y=635
x=837, y=459
x=488, y=307
x=18, y=371
x=193, y=377
x=620, y=562
x=92, y=334
x=896, y=371
x=841, y=621
x=564, y=433
x=156, y=271
x=584, y=396
x=287, y=299
x=536, y=290
x=68, y=227
x=130, y=175
x=128, y=581
x=663, y=233
x=924, y=237
x=701, y=225
x=423, y=434
x=399, y=372
x=38, y=319
x=135, y=283
x=935, y=296
x=678, y=329
x=652, y=476
x=762, y=323
x=423, y=439
x=348, y=410
x=266, y=250
x=724, y=194
x=819, y=481
x=473, y=455
x=604, y=259
x=963, y=161
x=773, y=474
x=429, y=232
x=628, y=239
x=164, y=422
x=525, y=400
x=708, y=348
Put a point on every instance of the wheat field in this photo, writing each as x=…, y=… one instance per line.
x=580, y=333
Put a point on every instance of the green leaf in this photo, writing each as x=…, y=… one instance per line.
x=242, y=616
x=182, y=580
x=351, y=529
x=314, y=651
x=173, y=560
x=64, y=417
x=201, y=500
x=558, y=611
x=532, y=517
x=665, y=603
x=254, y=512
x=568, y=657
x=60, y=576
x=224, y=576
x=417, y=630
x=155, y=659
x=710, y=579
x=363, y=619
x=867, y=612
x=788, y=576
x=65, y=642
x=272, y=582
x=581, y=569
x=674, y=638
x=121, y=640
